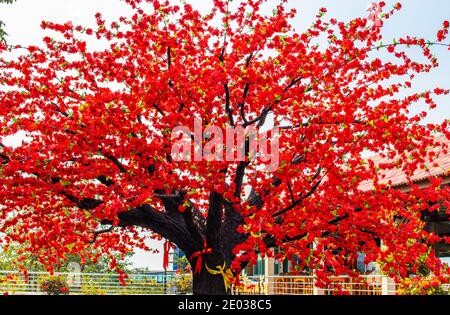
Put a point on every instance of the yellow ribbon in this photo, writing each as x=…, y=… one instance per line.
x=226, y=274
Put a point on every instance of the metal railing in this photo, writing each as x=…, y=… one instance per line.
x=172, y=283
x=97, y=283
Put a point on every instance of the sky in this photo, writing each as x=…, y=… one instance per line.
x=418, y=17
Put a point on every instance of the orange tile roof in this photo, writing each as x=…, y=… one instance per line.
x=439, y=166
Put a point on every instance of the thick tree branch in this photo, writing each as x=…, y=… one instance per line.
x=230, y=238
x=240, y=170
x=116, y=162
x=105, y=180
x=214, y=220
x=195, y=223
x=148, y=217
x=171, y=204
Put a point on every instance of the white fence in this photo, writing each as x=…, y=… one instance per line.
x=160, y=283
x=97, y=283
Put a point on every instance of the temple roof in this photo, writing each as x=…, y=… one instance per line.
x=395, y=176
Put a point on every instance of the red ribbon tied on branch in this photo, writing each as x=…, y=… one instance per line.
x=167, y=246
x=199, y=255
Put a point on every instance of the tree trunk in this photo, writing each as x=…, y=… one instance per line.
x=205, y=283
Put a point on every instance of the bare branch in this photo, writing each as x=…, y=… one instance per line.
x=242, y=104
x=262, y=116
x=156, y=106
x=227, y=104
x=299, y=200
x=240, y=170
x=100, y=232
x=271, y=242
x=116, y=162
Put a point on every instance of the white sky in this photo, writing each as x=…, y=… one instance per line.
x=420, y=18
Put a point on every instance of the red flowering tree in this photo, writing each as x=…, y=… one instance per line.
x=95, y=165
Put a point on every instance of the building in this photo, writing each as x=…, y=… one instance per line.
x=437, y=222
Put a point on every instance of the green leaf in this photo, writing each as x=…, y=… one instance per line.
x=283, y=40
x=83, y=106
x=201, y=92
x=65, y=183
x=70, y=246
